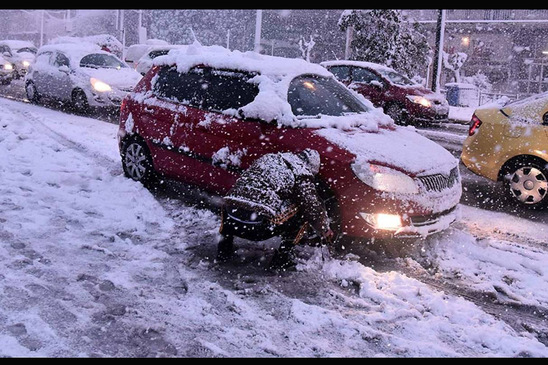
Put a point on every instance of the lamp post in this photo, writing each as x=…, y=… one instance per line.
x=440, y=30
x=258, y=26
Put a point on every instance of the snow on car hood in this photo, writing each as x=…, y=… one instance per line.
x=398, y=147
x=427, y=93
x=123, y=78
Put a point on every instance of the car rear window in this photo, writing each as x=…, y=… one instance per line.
x=206, y=88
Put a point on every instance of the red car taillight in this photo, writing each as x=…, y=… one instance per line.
x=475, y=123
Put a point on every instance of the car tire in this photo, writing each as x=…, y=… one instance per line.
x=397, y=113
x=32, y=93
x=526, y=183
x=80, y=102
x=137, y=163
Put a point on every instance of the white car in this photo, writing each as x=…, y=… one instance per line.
x=20, y=54
x=145, y=62
x=80, y=74
x=136, y=51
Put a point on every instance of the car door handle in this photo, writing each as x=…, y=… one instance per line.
x=148, y=110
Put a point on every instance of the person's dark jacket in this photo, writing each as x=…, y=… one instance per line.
x=276, y=183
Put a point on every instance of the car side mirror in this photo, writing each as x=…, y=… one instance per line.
x=64, y=69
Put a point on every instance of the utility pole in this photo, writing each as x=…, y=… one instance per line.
x=42, y=27
x=436, y=70
x=258, y=26
x=347, y=48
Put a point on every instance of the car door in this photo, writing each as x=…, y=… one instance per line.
x=61, y=84
x=369, y=84
x=225, y=144
x=41, y=72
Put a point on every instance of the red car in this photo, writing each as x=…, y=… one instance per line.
x=204, y=114
x=402, y=99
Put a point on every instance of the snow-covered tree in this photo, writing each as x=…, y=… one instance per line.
x=306, y=47
x=454, y=62
x=385, y=36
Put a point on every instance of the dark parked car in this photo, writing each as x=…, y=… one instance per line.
x=402, y=99
x=202, y=115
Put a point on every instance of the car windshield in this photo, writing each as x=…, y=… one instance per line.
x=27, y=50
x=396, y=78
x=100, y=60
x=312, y=95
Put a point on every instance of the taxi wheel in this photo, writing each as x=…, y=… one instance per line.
x=527, y=184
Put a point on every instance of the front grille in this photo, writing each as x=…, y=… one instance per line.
x=439, y=182
x=428, y=220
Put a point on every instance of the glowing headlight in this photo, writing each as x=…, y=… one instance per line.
x=420, y=100
x=390, y=222
x=26, y=63
x=384, y=178
x=8, y=66
x=99, y=85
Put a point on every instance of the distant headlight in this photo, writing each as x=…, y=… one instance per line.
x=99, y=85
x=26, y=63
x=8, y=66
x=420, y=100
x=385, y=179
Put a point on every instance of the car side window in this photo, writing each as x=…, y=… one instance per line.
x=5, y=49
x=204, y=88
x=185, y=88
x=364, y=75
x=60, y=60
x=228, y=90
x=342, y=73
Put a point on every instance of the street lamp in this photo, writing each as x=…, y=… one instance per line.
x=258, y=26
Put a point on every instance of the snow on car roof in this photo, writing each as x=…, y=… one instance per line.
x=374, y=66
x=100, y=39
x=15, y=44
x=273, y=79
x=74, y=51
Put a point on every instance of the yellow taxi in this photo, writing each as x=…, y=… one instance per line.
x=509, y=143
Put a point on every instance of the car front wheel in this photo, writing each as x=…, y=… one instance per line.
x=397, y=113
x=137, y=163
x=527, y=184
x=80, y=102
x=32, y=94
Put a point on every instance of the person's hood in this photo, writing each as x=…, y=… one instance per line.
x=123, y=78
x=401, y=148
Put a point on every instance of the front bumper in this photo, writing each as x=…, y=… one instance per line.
x=435, y=113
x=111, y=98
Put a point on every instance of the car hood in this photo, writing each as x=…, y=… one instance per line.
x=401, y=148
x=422, y=91
x=123, y=78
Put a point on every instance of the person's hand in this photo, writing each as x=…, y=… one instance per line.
x=328, y=235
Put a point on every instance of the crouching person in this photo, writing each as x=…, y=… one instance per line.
x=275, y=196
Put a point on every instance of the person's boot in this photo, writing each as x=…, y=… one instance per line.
x=284, y=258
x=225, y=248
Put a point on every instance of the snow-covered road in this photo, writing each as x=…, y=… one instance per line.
x=93, y=264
